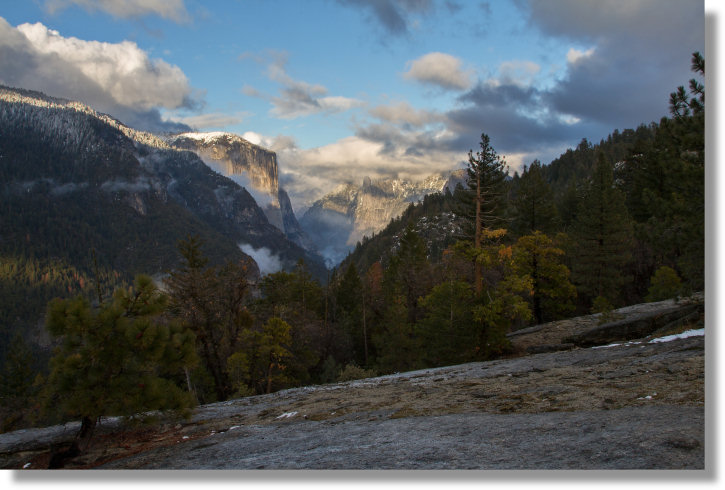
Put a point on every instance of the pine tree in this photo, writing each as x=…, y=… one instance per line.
x=486, y=181
x=349, y=300
x=16, y=385
x=211, y=301
x=448, y=333
x=120, y=358
x=501, y=302
x=409, y=273
x=551, y=291
x=664, y=179
x=603, y=237
x=533, y=206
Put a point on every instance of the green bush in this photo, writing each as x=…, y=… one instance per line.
x=352, y=372
x=665, y=284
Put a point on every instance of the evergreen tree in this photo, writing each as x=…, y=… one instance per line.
x=350, y=295
x=16, y=385
x=551, y=293
x=602, y=236
x=664, y=180
x=533, y=206
x=485, y=198
x=448, y=333
x=398, y=348
x=120, y=358
x=211, y=301
x=409, y=273
x=500, y=303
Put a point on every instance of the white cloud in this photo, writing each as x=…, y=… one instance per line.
x=441, y=70
x=574, y=55
x=122, y=70
x=297, y=98
x=116, y=78
x=518, y=72
x=213, y=120
x=309, y=174
x=167, y=9
x=404, y=113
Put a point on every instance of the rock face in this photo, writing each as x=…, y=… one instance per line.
x=339, y=220
x=251, y=166
x=627, y=406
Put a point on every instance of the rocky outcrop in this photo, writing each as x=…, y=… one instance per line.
x=636, y=326
x=624, y=407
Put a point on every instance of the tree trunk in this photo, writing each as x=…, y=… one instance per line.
x=79, y=445
x=477, y=237
x=365, y=333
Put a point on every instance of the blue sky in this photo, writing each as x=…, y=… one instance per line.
x=347, y=88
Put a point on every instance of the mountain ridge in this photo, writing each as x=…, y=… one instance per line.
x=78, y=186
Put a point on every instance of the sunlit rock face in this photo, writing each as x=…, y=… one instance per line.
x=251, y=166
x=343, y=217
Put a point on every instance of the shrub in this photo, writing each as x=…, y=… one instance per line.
x=352, y=372
x=665, y=284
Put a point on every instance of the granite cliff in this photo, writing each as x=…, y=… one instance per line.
x=343, y=217
x=253, y=167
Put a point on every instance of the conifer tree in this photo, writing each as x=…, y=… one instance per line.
x=409, y=273
x=16, y=385
x=349, y=300
x=116, y=359
x=665, y=184
x=602, y=236
x=448, y=333
x=551, y=291
x=501, y=302
x=533, y=207
x=486, y=181
x=211, y=301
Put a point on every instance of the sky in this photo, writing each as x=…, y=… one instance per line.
x=343, y=89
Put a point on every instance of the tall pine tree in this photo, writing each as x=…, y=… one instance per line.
x=533, y=206
x=486, y=196
x=602, y=237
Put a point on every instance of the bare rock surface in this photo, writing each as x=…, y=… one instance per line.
x=634, y=405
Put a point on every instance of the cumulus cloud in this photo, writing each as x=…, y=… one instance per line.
x=168, y=9
x=404, y=114
x=575, y=55
x=394, y=16
x=297, y=98
x=119, y=79
x=518, y=72
x=440, y=70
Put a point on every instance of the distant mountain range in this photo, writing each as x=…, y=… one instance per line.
x=336, y=222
